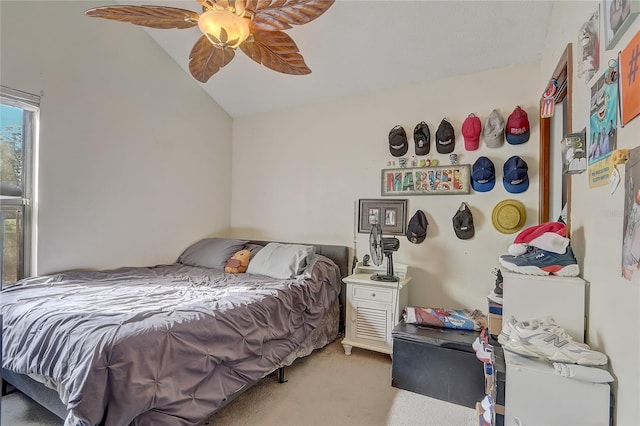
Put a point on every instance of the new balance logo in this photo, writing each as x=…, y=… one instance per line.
x=556, y=340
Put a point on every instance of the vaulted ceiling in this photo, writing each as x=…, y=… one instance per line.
x=363, y=46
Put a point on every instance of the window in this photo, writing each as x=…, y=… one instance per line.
x=18, y=136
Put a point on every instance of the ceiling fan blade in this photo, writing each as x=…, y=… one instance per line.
x=148, y=16
x=272, y=15
x=276, y=50
x=206, y=59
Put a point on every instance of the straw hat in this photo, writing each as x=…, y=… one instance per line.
x=509, y=216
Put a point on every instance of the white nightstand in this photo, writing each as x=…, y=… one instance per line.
x=374, y=307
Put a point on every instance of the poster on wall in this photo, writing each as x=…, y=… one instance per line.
x=589, y=48
x=629, y=61
x=631, y=225
x=602, y=127
x=617, y=16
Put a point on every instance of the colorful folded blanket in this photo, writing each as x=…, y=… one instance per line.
x=461, y=319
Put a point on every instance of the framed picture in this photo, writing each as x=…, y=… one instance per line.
x=574, y=153
x=618, y=15
x=440, y=180
x=390, y=214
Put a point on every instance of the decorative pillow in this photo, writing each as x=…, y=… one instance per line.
x=211, y=252
x=238, y=262
x=281, y=261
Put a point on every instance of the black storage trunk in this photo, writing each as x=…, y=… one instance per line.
x=437, y=362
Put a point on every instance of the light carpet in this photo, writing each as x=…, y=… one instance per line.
x=327, y=388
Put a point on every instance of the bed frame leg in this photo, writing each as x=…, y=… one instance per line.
x=4, y=388
x=281, y=378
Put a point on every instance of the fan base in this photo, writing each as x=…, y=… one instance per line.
x=384, y=278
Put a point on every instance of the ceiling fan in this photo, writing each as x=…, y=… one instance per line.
x=253, y=25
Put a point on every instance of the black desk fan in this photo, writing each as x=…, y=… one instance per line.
x=379, y=245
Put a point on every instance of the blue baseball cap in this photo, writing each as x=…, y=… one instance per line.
x=483, y=175
x=515, y=178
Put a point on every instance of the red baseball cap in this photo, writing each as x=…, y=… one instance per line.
x=471, y=130
x=517, y=130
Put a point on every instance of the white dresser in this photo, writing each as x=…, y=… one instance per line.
x=534, y=393
x=373, y=307
x=537, y=395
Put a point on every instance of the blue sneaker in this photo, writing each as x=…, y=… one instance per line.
x=541, y=262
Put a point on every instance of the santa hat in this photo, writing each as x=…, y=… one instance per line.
x=550, y=236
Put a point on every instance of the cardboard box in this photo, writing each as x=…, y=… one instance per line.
x=495, y=324
x=494, y=308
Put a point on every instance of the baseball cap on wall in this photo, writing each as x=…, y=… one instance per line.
x=422, y=138
x=417, y=228
x=515, y=177
x=398, y=145
x=483, y=175
x=445, y=137
x=463, y=222
x=471, y=131
x=493, y=132
x=517, y=131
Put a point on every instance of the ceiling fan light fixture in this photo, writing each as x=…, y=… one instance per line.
x=224, y=28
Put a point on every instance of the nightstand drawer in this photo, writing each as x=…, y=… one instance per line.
x=373, y=294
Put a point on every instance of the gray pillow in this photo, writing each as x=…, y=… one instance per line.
x=211, y=252
x=253, y=248
x=281, y=261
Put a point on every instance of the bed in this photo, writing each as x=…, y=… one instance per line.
x=169, y=344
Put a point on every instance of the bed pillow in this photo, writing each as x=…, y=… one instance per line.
x=253, y=248
x=211, y=252
x=281, y=261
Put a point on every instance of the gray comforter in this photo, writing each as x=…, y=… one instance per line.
x=158, y=346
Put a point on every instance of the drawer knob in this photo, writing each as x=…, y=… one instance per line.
x=373, y=295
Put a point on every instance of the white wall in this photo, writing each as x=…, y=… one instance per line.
x=127, y=162
x=597, y=222
x=134, y=156
x=297, y=174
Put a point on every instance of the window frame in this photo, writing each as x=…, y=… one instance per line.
x=28, y=201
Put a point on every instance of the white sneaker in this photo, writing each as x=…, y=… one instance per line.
x=480, y=341
x=538, y=340
x=487, y=416
x=496, y=298
x=486, y=403
x=507, y=326
x=548, y=324
x=485, y=354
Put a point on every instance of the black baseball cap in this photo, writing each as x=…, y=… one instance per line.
x=422, y=138
x=463, y=222
x=445, y=137
x=398, y=145
x=417, y=228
